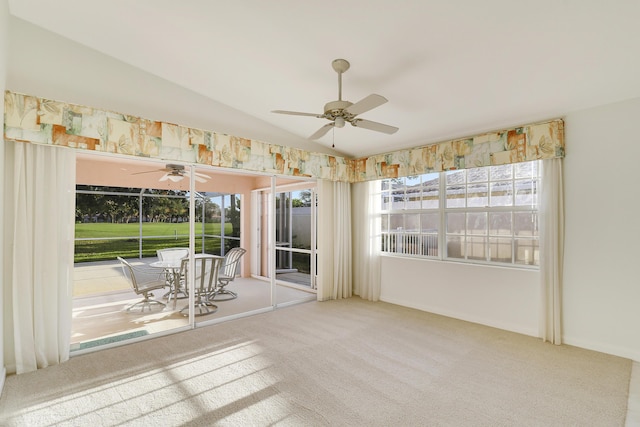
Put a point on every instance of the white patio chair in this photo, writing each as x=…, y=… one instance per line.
x=173, y=254
x=228, y=273
x=207, y=268
x=168, y=254
x=142, y=282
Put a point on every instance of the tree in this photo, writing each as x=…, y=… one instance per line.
x=122, y=204
x=111, y=207
x=303, y=200
x=305, y=197
x=232, y=215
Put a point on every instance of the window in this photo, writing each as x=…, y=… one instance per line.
x=483, y=215
x=411, y=217
x=163, y=221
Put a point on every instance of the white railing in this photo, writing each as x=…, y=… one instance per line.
x=410, y=244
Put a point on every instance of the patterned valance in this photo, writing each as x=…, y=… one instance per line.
x=38, y=120
x=522, y=144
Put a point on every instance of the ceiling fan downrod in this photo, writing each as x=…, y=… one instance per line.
x=340, y=66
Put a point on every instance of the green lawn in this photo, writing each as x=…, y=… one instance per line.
x=127, y=244
x=104, y=229
x=173, y=235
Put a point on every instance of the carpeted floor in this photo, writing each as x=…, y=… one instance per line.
x=347, y=362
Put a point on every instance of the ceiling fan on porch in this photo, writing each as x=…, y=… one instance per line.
x=341, y=112
x=176, y=173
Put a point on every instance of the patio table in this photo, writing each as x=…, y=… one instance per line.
x=172, y=268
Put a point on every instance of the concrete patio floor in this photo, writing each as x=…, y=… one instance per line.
x=102, y=295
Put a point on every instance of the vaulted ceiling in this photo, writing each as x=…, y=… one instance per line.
x=448, y=68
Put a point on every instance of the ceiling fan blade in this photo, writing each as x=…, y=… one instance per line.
x=378, y=127
x=164, y=177
x=151, y=171
x=200, y=177
x=365, y=104
x=322, y=131
x=297, y=113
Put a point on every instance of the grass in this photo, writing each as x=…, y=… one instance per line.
x=124, y=239
x=105, y=229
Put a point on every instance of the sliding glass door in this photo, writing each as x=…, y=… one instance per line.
x=145, y=212
x=293, y=208
x=125, y=213
x=295, y=239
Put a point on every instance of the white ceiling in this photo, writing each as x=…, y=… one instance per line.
x=449, y=68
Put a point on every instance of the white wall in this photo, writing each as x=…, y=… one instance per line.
x=4, y=17
x=602, y=253
x=601, y=296
x=501, y=297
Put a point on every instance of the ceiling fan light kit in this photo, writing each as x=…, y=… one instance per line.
x=341, y=112
x=175, y=178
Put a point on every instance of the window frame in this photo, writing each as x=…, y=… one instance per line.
x=524, y=248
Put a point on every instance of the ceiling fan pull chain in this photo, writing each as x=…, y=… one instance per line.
x=333, y=138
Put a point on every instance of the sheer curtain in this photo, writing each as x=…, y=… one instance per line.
x=334, y=240
x=39, y=203
x=366, y=239
x=551, y=250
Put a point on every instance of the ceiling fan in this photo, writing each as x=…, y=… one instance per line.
x=341, y=112
x=176, y=173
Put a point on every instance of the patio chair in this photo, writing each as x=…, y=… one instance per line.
x=228, y=273
x=143, y=282
x=207, y=269
x=171, y=254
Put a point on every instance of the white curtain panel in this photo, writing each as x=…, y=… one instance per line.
x=39, y=191
x=365, y=200
x=551, y=211
x=334, y=240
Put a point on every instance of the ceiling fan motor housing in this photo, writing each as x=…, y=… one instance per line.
x=175, y=168
x=335, y=109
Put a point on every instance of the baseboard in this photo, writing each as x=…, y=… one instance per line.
x=627, y=353
x=3, y=375
x=633, y=403
x=533, y=332
x=624, y=352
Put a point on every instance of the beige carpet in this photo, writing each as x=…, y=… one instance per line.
x=346, y=363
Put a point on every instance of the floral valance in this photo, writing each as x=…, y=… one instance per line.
x=38, y=120
x=522, y=144
x=32, y=119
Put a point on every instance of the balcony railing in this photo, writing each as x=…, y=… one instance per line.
x=410, y=244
